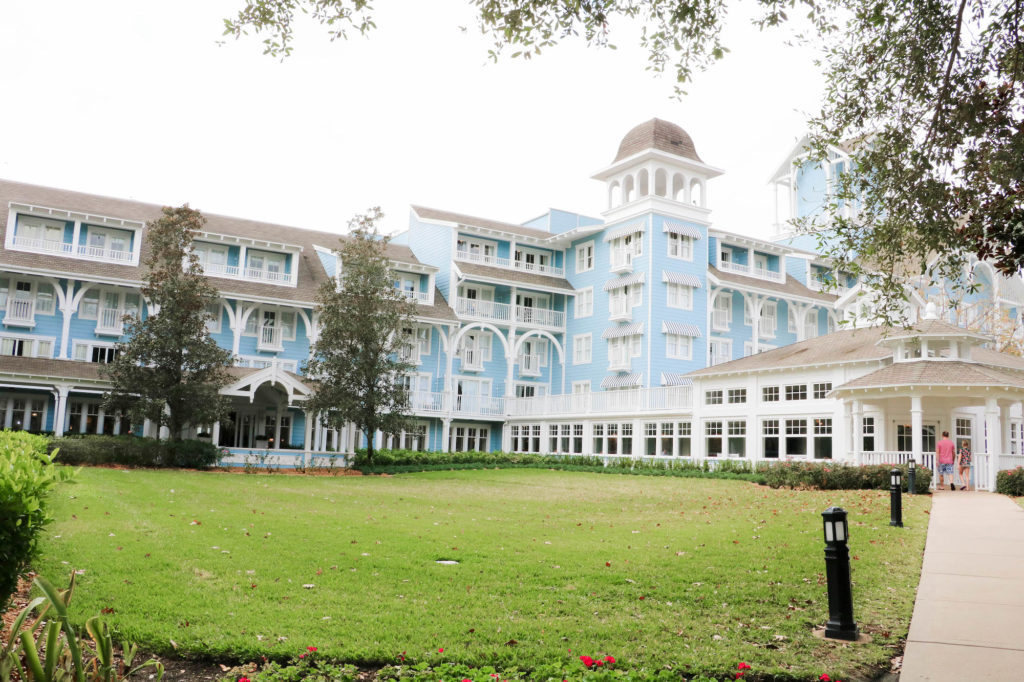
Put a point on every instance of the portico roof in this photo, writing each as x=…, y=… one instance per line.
x=938, y=374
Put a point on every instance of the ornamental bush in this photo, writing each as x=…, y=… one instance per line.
x=841, y=476
x=27, y=475
x=1011, y=482
x=136, y=452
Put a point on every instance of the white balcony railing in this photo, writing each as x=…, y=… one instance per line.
x=759, y=273
x=220, y=270
x=657, y=399
x=44, y=245
x=472, y=360
x=418, y=296
x=261, y=275
x=109, y=322
x=479, y=405
x=529, y=365
x=410, y=353
x=428, y=402
x=20, y=312
x=105, y=254
x=622, y=260
x=818, y=283
x=620, y=309
x=509, y=264
x=270, y=339
x=502, y=312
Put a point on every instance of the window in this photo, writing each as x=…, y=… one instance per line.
x=683, y=435
x=105, y=243
x=679, y=296
x=584, y=303
x=713, y=397
x=582, y=347
x=823, y=438
x=26, y=346
x=265, y=265
x=625, y=249
x=721, y=313
x=737, y=396
x=680, y=246
x=720, y=351
x=598, y=438
x=748, y=348
x=725, y=255
x=737, y=433
x=770, y=438
x=770, y=394
x=213, y=258
x=580, y=387
x=269, y=318
x=796, y=392
x=33, y=232
x=585, y=257
x=15, y=347
x=678, y=347
x=791, y=319
x=811, y=324
x=102, y=353
x=466, y=438
x=868, y=426
x=216, y=312
x=475, y=250
x=821, y=390
x=769, y=318
x=530, y=259
x=796, y=437
x=713, y=439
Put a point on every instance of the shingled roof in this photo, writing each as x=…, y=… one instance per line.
x=789, y=288
x=657, y=134
x=944, y=374
x=474, y=221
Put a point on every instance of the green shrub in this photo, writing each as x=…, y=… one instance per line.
x=841, y=476
x=27, y=474
x=136, y=452
x=1011, y=482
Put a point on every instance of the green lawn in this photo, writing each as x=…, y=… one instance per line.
x=689, y=573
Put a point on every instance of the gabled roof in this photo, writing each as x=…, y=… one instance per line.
x=489, y=273
x=945, y=374
x=790, y=288
x=473, y=221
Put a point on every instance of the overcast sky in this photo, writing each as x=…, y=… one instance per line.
x=138, y=100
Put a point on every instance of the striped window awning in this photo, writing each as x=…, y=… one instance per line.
x=625, y=230
x=679, y=228
x=680, y=329
x=673, y=379
x=626, y=330
x=627, y=281
x=680, y=278
x=621, y=380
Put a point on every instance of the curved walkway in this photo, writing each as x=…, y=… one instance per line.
x=968, y=621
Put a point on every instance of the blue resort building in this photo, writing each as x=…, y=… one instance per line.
x=644, y=331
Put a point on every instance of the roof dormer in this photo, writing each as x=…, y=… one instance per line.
x=932, y=339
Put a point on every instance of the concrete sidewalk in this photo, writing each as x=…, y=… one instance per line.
x=968, y=621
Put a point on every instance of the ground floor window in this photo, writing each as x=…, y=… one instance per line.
x=770, y=438
x=965, y=433
x=737, y=432
x=905, y=438
x=23, y=413
x=823, y=438
x=796, y=437
x=465, y=438
x=683, y=438
x=87, y=416
x=613, y=439
x=713, y=439
x=651, y=439
x=413, y=438
x=868, y=428
x=525, y=437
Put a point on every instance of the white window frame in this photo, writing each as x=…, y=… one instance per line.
x=88, y=347
x=583, y=257
x=488, y=249
x=214, y=326
x=679, y=296
x=680, y=246
x=582, y=349
x=678, y=347
x=257, y=315
x=726, y=308
x=724, y=346
x=262, y=361
x=581, y=387
x=33, y=350
x=584, y=295
x=748, y=348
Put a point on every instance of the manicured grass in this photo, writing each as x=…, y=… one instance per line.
x=688, y=573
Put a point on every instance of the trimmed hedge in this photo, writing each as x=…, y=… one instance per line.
x=1011, y=482
x=136, y=452
x=27, y=474
x=840, y=476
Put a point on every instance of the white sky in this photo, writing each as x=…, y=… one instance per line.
x=137, y=100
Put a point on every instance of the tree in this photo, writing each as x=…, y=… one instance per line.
x=169, y=370
x=930, y=93
x=356, y=364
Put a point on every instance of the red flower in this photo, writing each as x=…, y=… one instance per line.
x=587, y=661
x=302, y=655
x=243, y=679
x=609, y=659
x=824, y=678
x=441, y=650
x=598, y=663
x=739, y=675
x=310, y=648
x=466, y=679
x=743, y=666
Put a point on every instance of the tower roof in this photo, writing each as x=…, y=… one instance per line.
x=657, y=134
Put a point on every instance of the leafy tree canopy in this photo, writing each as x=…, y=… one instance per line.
x=356, y=366
x=169, y=370
x=927, y=95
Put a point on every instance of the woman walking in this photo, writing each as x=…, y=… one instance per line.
x=963, y=463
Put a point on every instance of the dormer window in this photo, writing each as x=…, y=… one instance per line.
x=214, y=259
x=106, y=244
x=475, y=251
x=42, y=233
x=266, y=265
x=73, y=235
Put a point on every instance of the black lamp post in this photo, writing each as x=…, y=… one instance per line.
x=840, y=623
x=895, y=498
x=911, y=476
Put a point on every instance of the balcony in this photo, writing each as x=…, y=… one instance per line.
x=622, y=261
x=509, y=264
x=417, y=296
x=825, y=285
x=427, y=402
x=529, y=365
x=409, y=353
x=619, y=360
x=249, y=274
x=720, y=320
x=755, y=272
x=20, y=313
x=104, y=254
x=43, y=245
x=479, y=405
x=270, y=339
x=620, y=309
x=109, y=322
x=503, y=313
x=472, y=360
x=629, y=401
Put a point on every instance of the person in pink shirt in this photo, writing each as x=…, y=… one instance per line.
x=944, y=452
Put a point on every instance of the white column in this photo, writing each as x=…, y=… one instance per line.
x=60, y=414
x=753, y=442
x=67, y=310
x=506, y=437
x=588, y=438
x=756, y=305
x=994, y=431
x=857, y=417
x=215, y=436
x=446, y=432
x=916, y=427
x=1004, y=419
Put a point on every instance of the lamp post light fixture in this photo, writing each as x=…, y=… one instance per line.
x=911, y=476
x=840, y=623
x=896, y=498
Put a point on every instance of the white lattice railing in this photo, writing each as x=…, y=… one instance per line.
x=509, y=264
x=110, y=322
x=656, y=399
x=759, y=273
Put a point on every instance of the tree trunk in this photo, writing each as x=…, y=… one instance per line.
x=369, y=446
